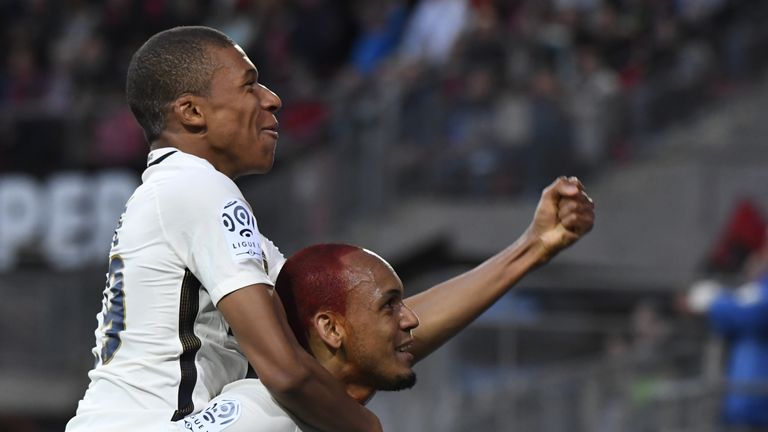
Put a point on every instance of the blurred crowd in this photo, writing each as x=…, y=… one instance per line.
x=472, y=96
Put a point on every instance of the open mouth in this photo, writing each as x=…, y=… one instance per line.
x=405, y=348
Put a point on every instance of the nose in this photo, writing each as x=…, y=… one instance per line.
x=408, y=318
x=270, y=101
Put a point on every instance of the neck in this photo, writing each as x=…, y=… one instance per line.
x=360, y=393
x=170, y=139
x=346, y=374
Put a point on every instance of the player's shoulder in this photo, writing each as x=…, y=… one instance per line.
x=246, y=385
x=253, y=391
x=244, y=405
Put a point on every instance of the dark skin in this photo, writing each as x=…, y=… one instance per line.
x=382, y=335
x=565, y=213
x=367, y=348
x=234, y=128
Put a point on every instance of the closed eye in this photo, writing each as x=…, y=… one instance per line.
x=251, y=78
x=393, y=303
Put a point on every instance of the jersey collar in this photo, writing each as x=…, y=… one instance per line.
x=157, y=156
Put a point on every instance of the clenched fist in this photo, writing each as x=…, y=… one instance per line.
x=564, y=214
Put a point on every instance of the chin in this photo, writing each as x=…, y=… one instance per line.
x=255, y=170
x=402, y=382
x=263, y=170
x=266, y=168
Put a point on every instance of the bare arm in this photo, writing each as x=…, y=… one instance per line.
x=293, y=377
x=563, y=215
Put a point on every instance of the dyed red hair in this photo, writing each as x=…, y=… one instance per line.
x=312, y=280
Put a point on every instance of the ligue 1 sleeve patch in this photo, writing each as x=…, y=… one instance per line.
x=240, y=231
x=217, y=417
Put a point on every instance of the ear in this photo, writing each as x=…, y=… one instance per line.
x=330, y=328
x=187, y=109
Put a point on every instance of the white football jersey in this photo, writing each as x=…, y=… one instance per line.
x=243, y=406
x=187, y=238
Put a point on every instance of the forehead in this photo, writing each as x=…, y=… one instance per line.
x=371, y=278
x=231, y=61
x=372, y=281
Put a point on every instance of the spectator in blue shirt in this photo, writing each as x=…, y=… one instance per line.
x=740, y=315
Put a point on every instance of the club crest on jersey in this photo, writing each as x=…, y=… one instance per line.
x=240, y=231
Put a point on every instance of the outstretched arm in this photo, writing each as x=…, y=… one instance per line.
x=564, y=214
x=293, y=377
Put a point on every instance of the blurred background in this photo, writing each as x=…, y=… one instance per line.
x=425, y=130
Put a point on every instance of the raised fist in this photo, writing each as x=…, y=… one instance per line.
x=564, y=214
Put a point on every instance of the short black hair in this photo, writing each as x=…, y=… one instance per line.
x=169, y=64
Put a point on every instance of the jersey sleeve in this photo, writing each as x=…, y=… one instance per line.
x=274, y=258
x=213, y=231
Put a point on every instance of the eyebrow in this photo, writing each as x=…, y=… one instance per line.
x=389, y=293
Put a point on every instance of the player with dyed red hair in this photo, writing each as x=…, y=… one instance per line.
x=346, y=307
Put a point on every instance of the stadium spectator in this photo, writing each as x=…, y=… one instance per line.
x=382, y=25
x=740, y=316
x=432, y=30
